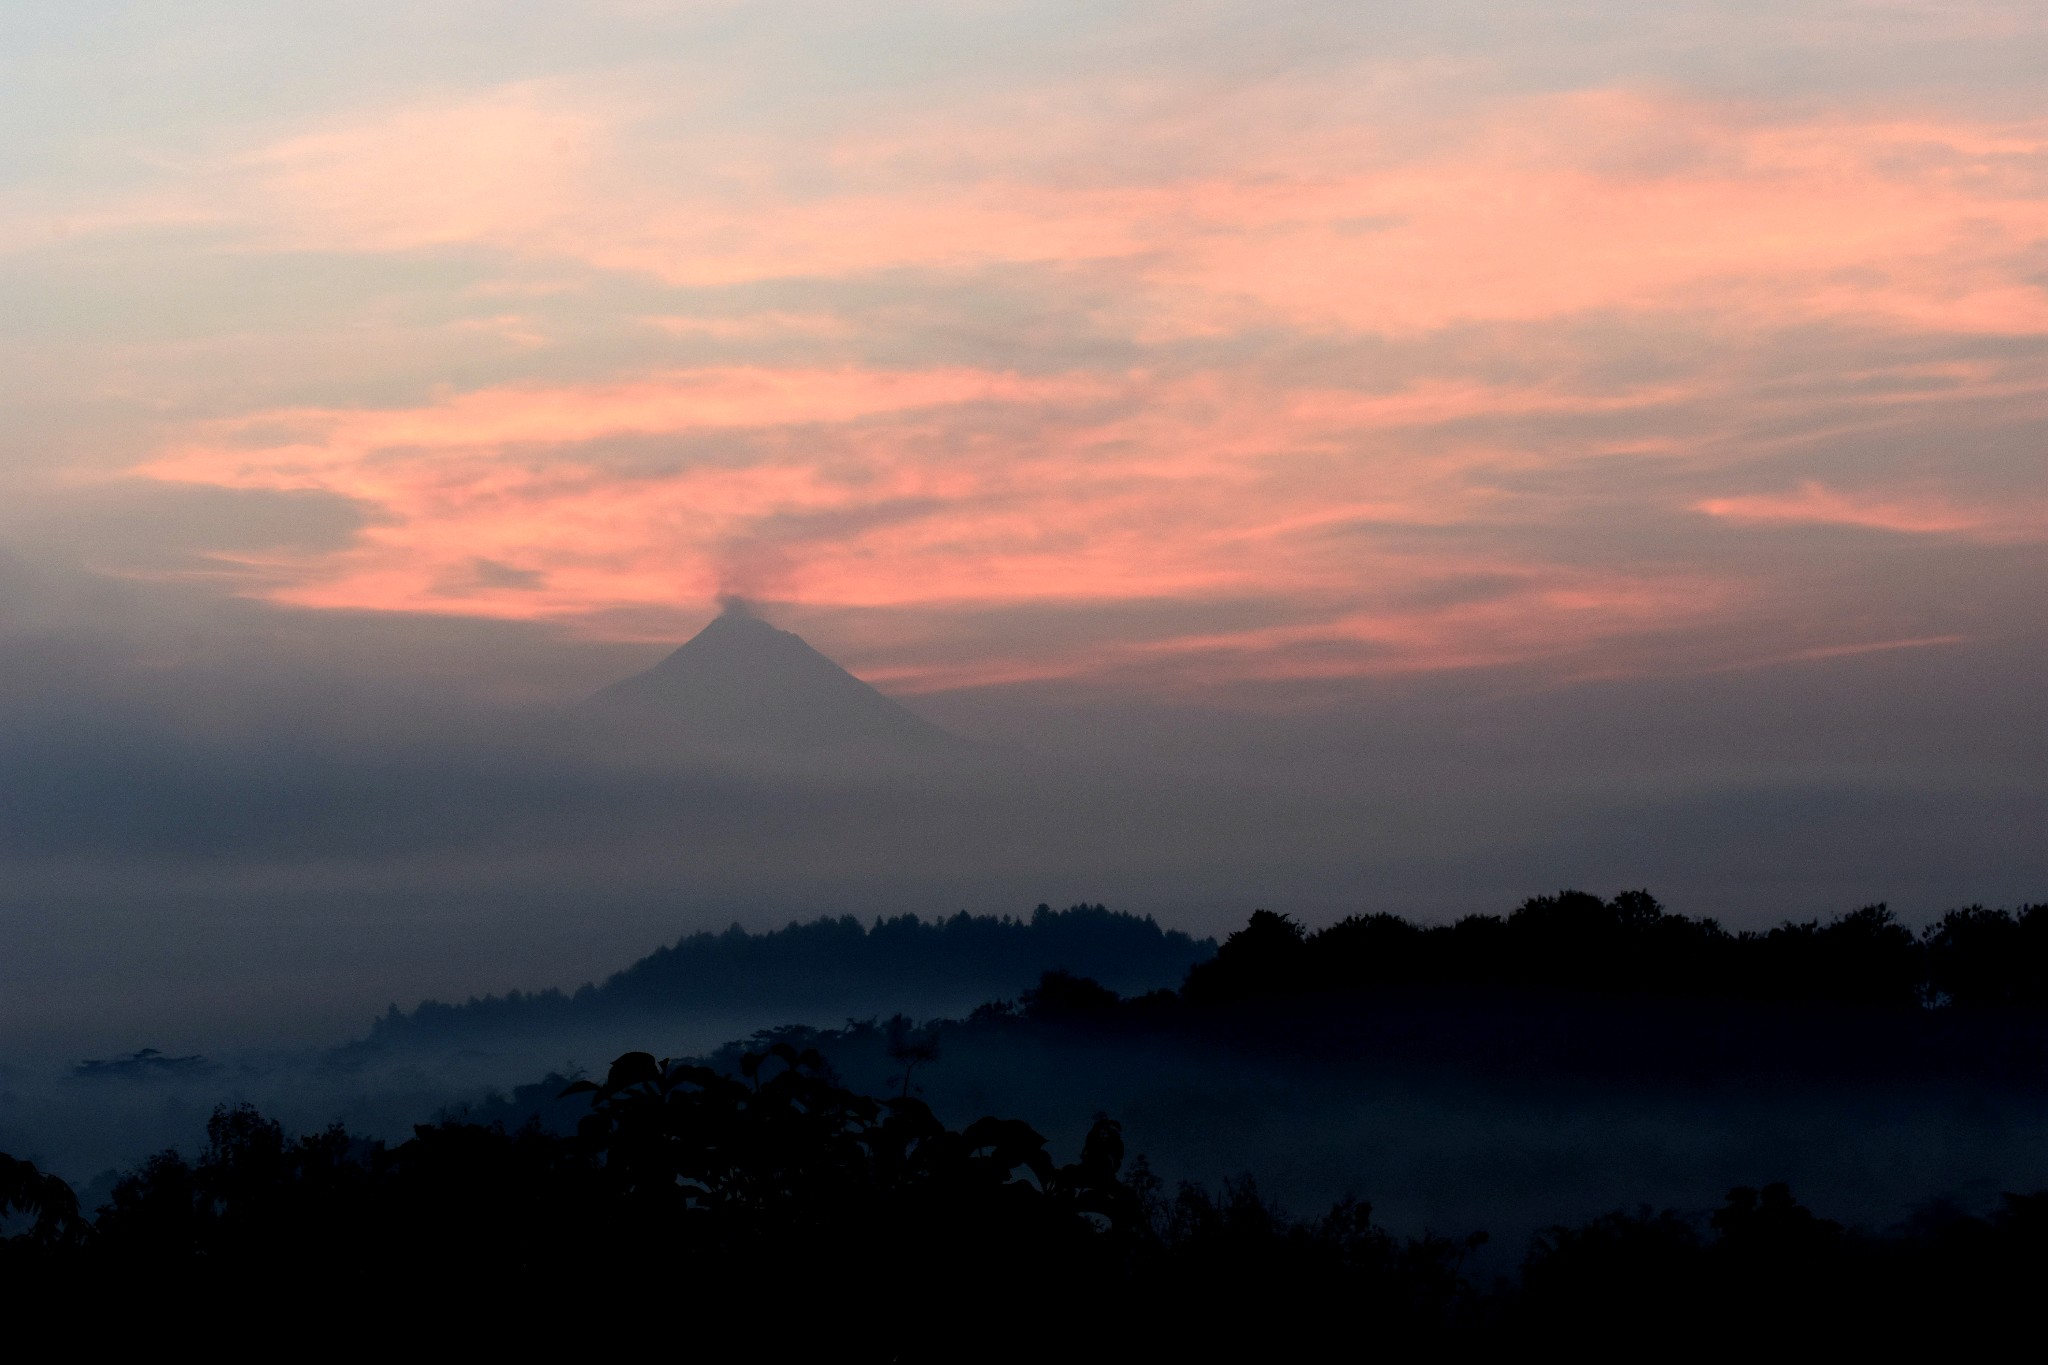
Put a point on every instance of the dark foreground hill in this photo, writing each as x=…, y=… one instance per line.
x=778, y=1214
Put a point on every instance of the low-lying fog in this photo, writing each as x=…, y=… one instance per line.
x=241, y=833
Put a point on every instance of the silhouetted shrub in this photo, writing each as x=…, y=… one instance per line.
x=1268, y=957
x=1989, y=959
x=1060, y=995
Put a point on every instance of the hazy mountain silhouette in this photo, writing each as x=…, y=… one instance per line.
x=830, y=968
x=742, y=684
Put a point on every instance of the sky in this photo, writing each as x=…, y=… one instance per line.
x=1634, y=413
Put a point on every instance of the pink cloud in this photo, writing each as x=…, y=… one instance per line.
x=425, y=175
x=1272, y=212
x=923, y=487
x=1927, y=514
x=1268, y=224
x=538, y=414
x=1532, y=208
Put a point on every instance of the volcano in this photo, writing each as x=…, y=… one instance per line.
x=742, y=684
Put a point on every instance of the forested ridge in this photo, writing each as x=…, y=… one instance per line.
x=1972, y=958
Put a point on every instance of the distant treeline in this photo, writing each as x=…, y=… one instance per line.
x=776, y=1214
x=1971, y=959
x=838, y=966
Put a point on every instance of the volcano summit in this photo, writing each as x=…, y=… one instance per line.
x=742, y=684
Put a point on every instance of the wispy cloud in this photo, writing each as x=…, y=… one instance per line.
x=1930, y=513
x=1526, y=208
x=873, y=488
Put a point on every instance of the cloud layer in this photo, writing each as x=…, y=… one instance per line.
x=1355, y=335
